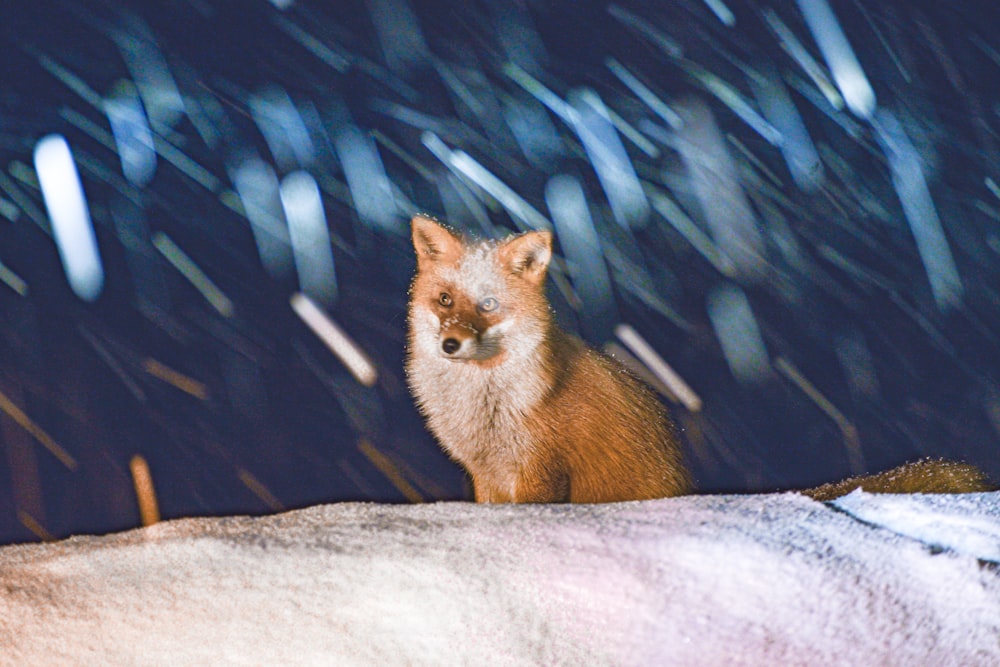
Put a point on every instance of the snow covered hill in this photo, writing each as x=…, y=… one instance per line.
x=702, y=580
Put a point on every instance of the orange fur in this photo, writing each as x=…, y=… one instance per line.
x=531, y=412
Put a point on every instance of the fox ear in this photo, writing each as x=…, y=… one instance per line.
x=434, y=242
x=528, y=255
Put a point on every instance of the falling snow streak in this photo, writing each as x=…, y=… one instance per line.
x=608, y=157
x=839, y=56
x=70, y=216
x=259, y=191
x=667, y=375
x=738, y=333
x=371, y=190
x=921, y=214
x=190, y=270
x=283, y=128
x=796, y=145
x=582, y=248
x=133, y=137
x=310, y=236
x=464, y=165
x=335, y=339
x=714, y=179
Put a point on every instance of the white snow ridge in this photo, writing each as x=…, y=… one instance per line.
x=700, y=580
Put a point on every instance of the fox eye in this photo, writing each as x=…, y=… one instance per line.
x=488, y=304
x=445, y=299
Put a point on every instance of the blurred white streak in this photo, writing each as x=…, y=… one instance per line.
x=632, y=134
x=617, y=351
x=517, y=34
x=722, y=12
x=539, y=91
x=796, y=145
x=859, y=367
x=680, y=221
x=580, y=244
x=681, y=389
x=460, y=202
x=794, y=48
x=132, y=135
x=257, y=186
x=992, y=187
x=458, y=87
x=464, y=165
x=667, y=44
x=312, y=44
x=609, y=159
x=918, y=207
x=839, y=56
x=283, y=128
x=731, y=97
x=310, y=237
x=533, y=130
x=715, y=182
x=10, y=210
x=283, y=4
x=570, y=113
x=631, y=277
x=71, y=225
x=399, y=34
x=198, y=279
x=648, y=97
x=349, y=353
x=149, y=70
x=13, y=281
x=164, y=149
x=738, y=334
x=410, y=116
x=366, y=177
x=208, y=118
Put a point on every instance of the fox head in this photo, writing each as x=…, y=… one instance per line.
x=478, y=302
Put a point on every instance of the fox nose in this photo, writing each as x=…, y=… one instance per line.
x=450, y=345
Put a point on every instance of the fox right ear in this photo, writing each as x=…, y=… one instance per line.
x=434, y=242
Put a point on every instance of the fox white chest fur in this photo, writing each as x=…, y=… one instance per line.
x=475, y=366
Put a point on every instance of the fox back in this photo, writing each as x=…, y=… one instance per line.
x=531, y=412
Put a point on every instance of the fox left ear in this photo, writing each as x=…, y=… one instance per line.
x=528, y=255
x=433, y=241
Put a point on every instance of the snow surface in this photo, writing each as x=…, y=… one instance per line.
x=700, y=580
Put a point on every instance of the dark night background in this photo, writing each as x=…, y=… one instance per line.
x=243, y=409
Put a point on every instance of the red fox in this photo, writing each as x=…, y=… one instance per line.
x=531, y=412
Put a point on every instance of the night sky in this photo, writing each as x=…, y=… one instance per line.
x=806, y=235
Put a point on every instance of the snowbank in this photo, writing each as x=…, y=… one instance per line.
x=701, y=580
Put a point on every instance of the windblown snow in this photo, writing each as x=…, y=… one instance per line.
x=700, y=580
